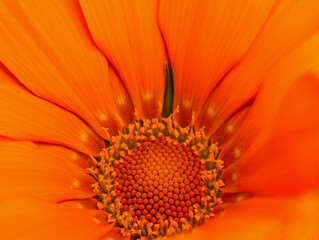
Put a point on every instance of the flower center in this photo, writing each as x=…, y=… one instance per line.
x=160, y=180
x=157, y=178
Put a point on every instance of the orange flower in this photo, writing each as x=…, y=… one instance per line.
x=248, y=70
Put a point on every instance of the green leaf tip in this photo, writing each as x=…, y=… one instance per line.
x=169, y=92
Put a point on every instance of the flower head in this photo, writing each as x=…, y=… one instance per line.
x=87, y=150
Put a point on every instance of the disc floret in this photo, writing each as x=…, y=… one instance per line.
x=157, y=178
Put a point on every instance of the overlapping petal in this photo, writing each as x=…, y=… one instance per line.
x=48, y=47
x=287, y=162
x=33, y=219
x=27, y=170
x=26, y=117
x=264, y=218
x=57, y=89
x=67, y=155
x=127, y=33
x=206, y=40
x=298, y=64
x=290, y=24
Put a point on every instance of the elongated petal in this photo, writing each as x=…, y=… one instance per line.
x=26, y=117
x=30, y=219
x=47, y=46
x=127, y=33
x=229, y=127
x=290, y=24
x=88, y=204
x=122, y=109
x=264, y=218
x=27, y=170
x=205, y=40
x=301, y=62
x=66, y=155
x=285, y=161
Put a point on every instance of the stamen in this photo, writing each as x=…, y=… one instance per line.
x=157, y=178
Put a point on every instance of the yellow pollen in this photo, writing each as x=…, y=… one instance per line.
x=79, y=205
x=211, y=112
x=74, y=156
x=230, y=129
x=157, y=178
x=120, y=121
x=84, y=137
x=237, y=152
x=147, y=96
x=240, y=198
x=235, y=176
x=120, y=101
x=222, y=213
x=76, y=183
x=186, y=103
x=103, y=117
x=96, y=220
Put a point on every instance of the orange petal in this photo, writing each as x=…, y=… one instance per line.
x=122, y=109
x=67, y=155
x=230, y=178
x=127, y=33
x=47, y=46
x=26, y=170
x=205, y=40
x=290, y=24
x=115, y=234
x=88, y=204
x=27, y=117
x=286, y=162
x=30, y=219
x=229, y=127
x=263, y=218
x=277, y=82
